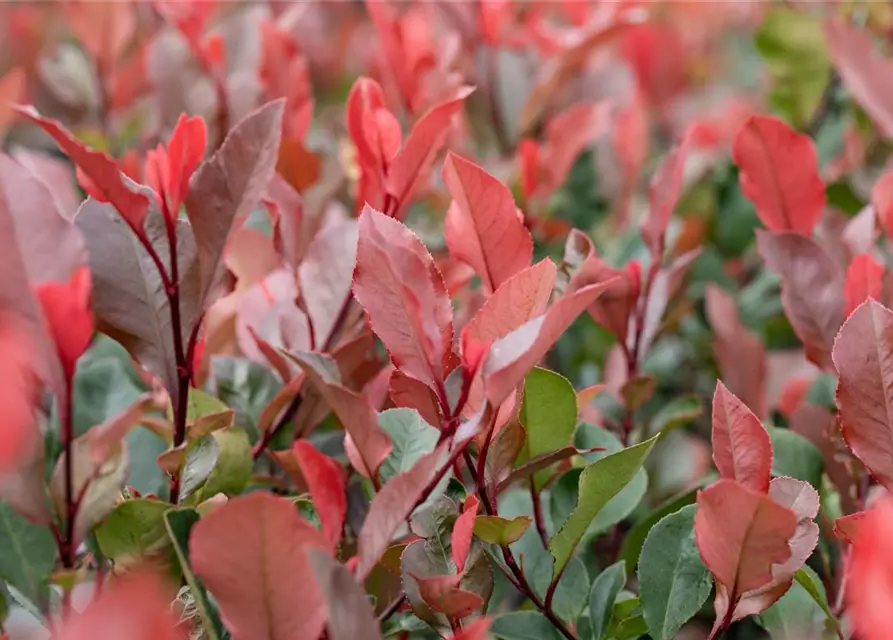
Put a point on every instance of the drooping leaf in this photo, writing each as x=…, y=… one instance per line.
x=328, y=485
x=599, y=482
x=863, y=356
x=742, y=448
x=483, y=228
x=27, y=555
x=779, y=173
x=403, y=293
x=673, y=581
x=228, y=186
x=251, y=555
x=864, y=280
x=549, y=415
x=810, y=290
x=601, y=599
x=350, y=615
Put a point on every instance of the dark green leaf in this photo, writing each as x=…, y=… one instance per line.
x=601, y=599
x=635, y=537
x=411, y=436
x=795, y=456
x=27, y=555
x=524, y=625
x=797, y=613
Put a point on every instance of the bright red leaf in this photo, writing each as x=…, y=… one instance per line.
x=406, y=391
x=19, y=392
x=869, y=587
x=66, y=307
x=483, y=227
x=168, y=169
x=882, y=201
x=327, y=482
x=864, y=280
x=443, y=594
x=742, y=449
x=462, y=532
x=779, y=173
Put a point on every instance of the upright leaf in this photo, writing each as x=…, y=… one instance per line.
x=599, y=482
x=328, y=485
x=251, y=555
x=411, y=438
x=863, y=356
x=483, y=227
x=402, y=291
x=673, y=581
x=664, y=192
x=864, y=280
x=742, y=448
x=227, y=187
x=549, y=415
x=602, y=597
x=350, y=614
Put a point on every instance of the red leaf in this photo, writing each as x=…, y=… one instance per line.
x=12, y=90
x=882, y=201
x=740, y=535
x=462, y=532
x=424, y=142
x=399, y=286
x=511, y=357
x=366, y=96
x=864, y=280
x=742, y=449
x=350, y=613
x=739, y=352
x=66, y=307
x=863, y=356
x=168, y=170
x=328, y=485
x=568, y=133
x=100, y=168
x=810, y=290
x=20, y=391
x=392, y=506
x=353, y=410
x=137, y=608
x=779, y=173
x=251, y=555
x=482, y=226
x=406, y=391
x=860, y=66
x=869, y=590
x=666, y=185
x=443, y=594
x=477, y=630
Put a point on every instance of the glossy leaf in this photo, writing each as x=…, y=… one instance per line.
x=328, y=485
x=549, y=415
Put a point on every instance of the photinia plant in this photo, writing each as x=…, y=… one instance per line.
x=447, y=320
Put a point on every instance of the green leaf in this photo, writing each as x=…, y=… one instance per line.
x=134, y=531
x=588, y=437
x=811, y=583
x=27, y=555
x=501, y=531
x=601, y=599
x=245, y=386
x=524, y=625
x=599, y=482
x=411, y=436
x=549, y=414
x=795, y=456
x=235, y=463
x=178, y=524
x=797, y=614
x=635, y=537
x=572, y=592
x=201, y=456
x=676, y=413
x=673, y=581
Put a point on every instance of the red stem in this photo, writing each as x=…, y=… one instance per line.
x=538, y=515
x=67, y=549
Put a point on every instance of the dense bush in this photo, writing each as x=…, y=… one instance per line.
x=523, y=320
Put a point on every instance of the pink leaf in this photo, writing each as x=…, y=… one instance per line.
x=251, y=555
x=477, y=630
x=864, y=280
x=66, y=307
x=424, y=142
x=742, y=449
x=739, y=352
x=327, y=482
x=102, y=170
x=392, y=506
x=399, y=286
x=350, y=613
x=567, y=135
x=882, y=201
x=863, y=356
x=462, y=532
x=366, y=96
x=779, y=173
x=443, y=594
x=511, y=357
x=20, y=390
x=869, y=589
x=482, y=226
x=810, y=290
x=666, y=185
x=406, y=391
x=860, y=66
x=353, y=410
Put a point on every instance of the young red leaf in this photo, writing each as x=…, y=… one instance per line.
x=740, y=535
x=863, y=356
x=20, y=391
x=327, y=482
x=779, y=173
x=811, y=283
x=228, y=186
x=739, y=352
x=402, y=291
x=742, y=449
x=443, y=594
x=882, y=201
x=366, y=98
x=511, y=357
x=664, y=192
x=251, y=555
x=392, y=506
x=462, y=532
x=350, y=615
x=12, y=90
x=406, y=391
x=138, y=607
x=860, y=65
x=483, y=227
x=325, y=277
x=864, y=280
x=427, y=138
x=477, y=630
x=66, y=307
x=169, y=170
x=100, y=168
x=869, y=589
x=353, y=410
